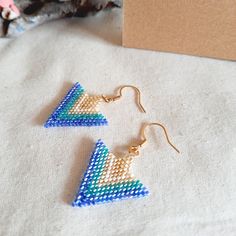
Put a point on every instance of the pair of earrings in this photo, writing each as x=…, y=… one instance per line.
x=108, y=177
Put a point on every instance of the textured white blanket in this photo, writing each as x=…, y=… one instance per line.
x=193, y=193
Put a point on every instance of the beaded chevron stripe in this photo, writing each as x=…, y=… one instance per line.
x=77, y=109
x=107, y=179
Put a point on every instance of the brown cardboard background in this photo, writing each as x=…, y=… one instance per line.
x=196, y=27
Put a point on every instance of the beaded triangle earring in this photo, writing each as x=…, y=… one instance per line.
x=80, y=109
x=108, y=178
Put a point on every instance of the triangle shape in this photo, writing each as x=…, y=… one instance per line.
x=107, y=179
x=77, y=109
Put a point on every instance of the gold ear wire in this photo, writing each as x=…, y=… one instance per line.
x=115, y=98
x=135, y=149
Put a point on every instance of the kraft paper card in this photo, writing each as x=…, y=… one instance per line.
x=195, y=27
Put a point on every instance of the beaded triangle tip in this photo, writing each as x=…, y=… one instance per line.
x=108, y=179
x=77, y=109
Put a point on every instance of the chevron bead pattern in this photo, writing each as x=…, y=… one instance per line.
x=77, y=109
x=108, y=179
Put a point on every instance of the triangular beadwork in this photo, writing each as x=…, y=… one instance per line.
x=107, y=179
x=77, y=109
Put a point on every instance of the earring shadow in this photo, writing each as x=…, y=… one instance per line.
x=79, y=165
x=42, y=116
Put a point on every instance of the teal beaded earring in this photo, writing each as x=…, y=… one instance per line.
x=108, y=178
x=80, y=109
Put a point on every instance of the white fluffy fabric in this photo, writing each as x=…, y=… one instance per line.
x=192, y=193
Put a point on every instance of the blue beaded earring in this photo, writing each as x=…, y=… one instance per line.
x=108, y=178
x=80, y=109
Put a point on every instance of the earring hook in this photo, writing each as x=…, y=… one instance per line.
x=115, y=98
x=135, y=149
